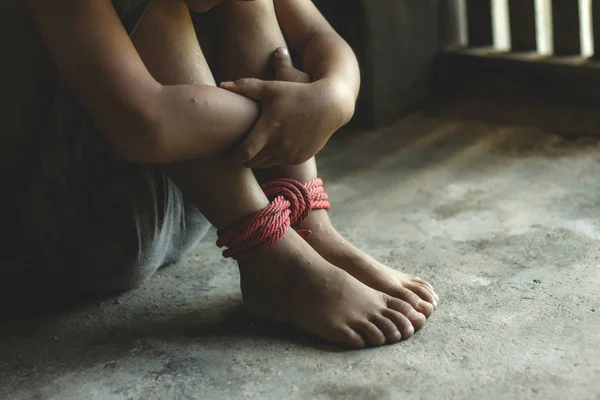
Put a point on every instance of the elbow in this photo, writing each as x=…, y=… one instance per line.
x=144, y=150
x=348, y=111
x=140, y=144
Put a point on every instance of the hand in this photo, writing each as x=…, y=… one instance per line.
x=297, y=117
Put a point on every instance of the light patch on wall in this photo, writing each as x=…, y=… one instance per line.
x=463, y=34
x=543, y=27
x=501, y=25
x=586, y=28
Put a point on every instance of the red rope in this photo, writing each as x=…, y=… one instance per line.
x=319, y=199
x=291, y=202
x=294, y=192
x=257, y=232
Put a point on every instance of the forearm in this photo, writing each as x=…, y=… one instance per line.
x=145, y=121
x=176, y=123
x=195, y=121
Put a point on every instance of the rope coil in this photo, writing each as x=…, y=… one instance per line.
x=291, y=203
x=319, y=198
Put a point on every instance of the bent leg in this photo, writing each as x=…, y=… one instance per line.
x=289, y=282
x=248, y=35
x=93, y=222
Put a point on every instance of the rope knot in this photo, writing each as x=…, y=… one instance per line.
x=291, y=202
x=257, y=232
x=296, y=193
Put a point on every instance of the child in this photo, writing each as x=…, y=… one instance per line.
x=139, y=149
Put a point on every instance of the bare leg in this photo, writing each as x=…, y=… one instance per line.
x=248, y=36
x=290, y=282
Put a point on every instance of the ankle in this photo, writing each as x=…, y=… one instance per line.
x=284, y=252
x=317, y=221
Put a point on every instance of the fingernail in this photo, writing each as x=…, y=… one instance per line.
x=283, y=51
x=227, y=84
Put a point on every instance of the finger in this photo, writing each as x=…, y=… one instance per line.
x=284, y=68
x=261, y=158
x=282, y=61
x=273, y=162
x=253, y=88
x=252, y=145
x=268, y=163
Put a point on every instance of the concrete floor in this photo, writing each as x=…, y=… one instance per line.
x=503, y=219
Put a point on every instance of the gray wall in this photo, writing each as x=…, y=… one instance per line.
x=396, y=42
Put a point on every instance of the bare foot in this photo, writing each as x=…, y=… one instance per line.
x=335, y=249
x=292, y=283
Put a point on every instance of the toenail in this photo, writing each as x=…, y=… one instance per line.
x=417, y=315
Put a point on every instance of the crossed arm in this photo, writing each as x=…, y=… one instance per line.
x=152, y=123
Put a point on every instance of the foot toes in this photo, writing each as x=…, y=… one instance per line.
x=416, y=318
x=405, y=326
x=371, y=332
x=429, y=287
x=424, y=307
x=423, y=292
x=389, y=329
x=349, y=337
x=423, y=281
